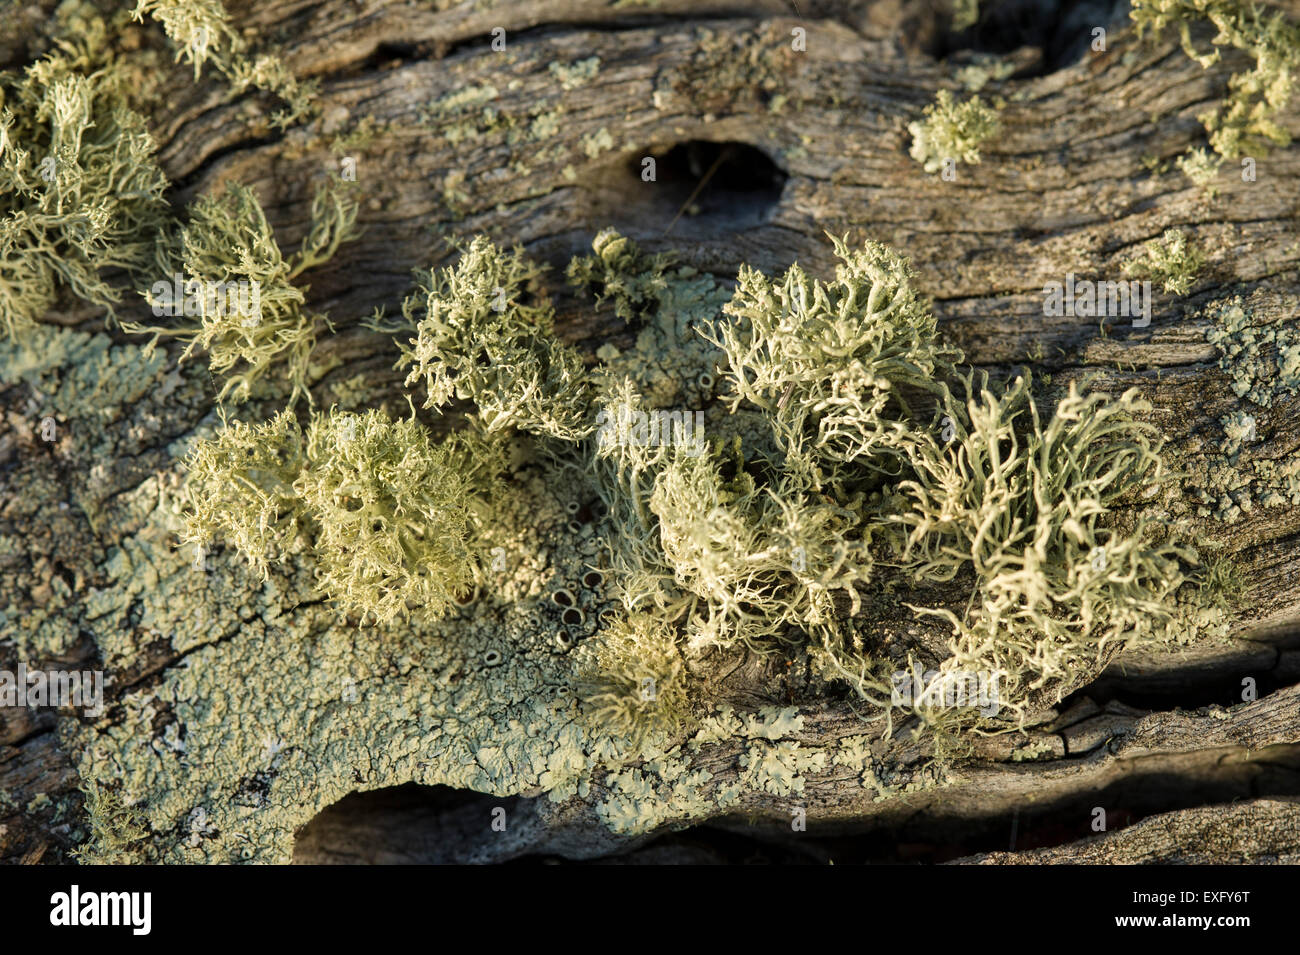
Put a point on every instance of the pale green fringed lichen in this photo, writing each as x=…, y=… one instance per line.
x=1246, y=121
x=80, y=191
x=241, y=485
x=386, y=510
x=831, y=365
x=698, y=543
x=116, y=829
x=752, y=562
x=483, y=334
x=200, y=28
x=391, y=510
x=952, y=131
x=229, y=247
x=1173, y=260
x=202, y=32
x=841, y=373
x=633, y=680
x=1024, y=513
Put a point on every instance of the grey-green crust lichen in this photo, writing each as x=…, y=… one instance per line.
x=1258, y=349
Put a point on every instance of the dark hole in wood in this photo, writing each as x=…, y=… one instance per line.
x=701, y=190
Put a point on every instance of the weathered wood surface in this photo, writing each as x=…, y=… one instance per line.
x=1213, y=835
x=1062, y=189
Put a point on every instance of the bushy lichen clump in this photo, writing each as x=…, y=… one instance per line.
x=1246, y=120
x=1024, y=512
x=952, y=131
x=202, y=32
x=832, y=365
x=744, y=545
x=874, y=468
x=858, y=458
x=1201, y=167
x=116, y=829
x=481, y=335
x=633, y=678
x=80, y=191
x=387, y=511
x=228, y=244
x=1173, y=260
x=242, y=488
x=81, y=194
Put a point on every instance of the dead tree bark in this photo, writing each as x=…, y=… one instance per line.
x=1067, y=187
